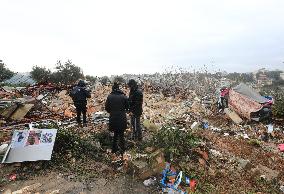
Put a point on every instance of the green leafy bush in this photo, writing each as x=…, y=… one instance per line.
x=278, y=108
x=174, y=141
x=69, y=145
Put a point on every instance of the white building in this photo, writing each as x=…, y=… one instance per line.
x=282, y=76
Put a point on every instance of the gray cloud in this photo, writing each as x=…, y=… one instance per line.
x=114, y=37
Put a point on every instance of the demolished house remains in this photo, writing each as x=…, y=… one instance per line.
x=172, y=103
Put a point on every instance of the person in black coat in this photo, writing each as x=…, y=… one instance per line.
x=117, y=106
x=135, y=108
x=79, y=96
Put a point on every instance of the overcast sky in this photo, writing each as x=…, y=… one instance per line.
x=130, y=36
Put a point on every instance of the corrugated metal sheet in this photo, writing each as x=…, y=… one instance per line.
x=21, y=78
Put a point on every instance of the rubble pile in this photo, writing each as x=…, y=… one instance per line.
x=180, y=84
x=182, y=126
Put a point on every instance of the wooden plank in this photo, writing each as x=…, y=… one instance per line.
x=21, y=112
x=9, y=111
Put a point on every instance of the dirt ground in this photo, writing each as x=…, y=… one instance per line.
x=54, y=181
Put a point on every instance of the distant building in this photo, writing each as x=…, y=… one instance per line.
x=263, y=79
x=225, y=82
x=282, y=76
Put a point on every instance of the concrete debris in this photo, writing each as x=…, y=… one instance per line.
x=195, y=125
x=215, y=153
x=3, y=148
x=233, y=115
x=28, y=189
x=55, y=192
x=282, y=188
x=244, y=164
x=169, y=100
x=150, y=181
x=265, y=172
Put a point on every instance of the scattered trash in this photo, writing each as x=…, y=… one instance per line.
x=269, y=128
x=216, y=129
x=180, y=104
x=150, y=181
x=205, y=124
x=281, y=147
x=195, y=125
x=173, y=182
x=263, y=177
x=13, y=177
x=245, y=136
x=282, y=188
x=226, y=134
x=215, y=153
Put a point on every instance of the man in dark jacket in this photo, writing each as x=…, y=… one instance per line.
x=135, y=107
x=79, y=95
x=117, y=106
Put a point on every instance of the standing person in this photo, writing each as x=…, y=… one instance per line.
x=117, y=106
x=135, y=107
x=224, y=97
x=79, y=96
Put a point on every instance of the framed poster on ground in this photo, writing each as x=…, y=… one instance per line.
x=30, y=145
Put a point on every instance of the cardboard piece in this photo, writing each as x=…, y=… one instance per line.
x=233, y=115
x=30, y=145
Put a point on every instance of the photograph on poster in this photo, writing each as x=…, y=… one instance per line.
x=34, y=138
x=19, y=139
x=46, y=137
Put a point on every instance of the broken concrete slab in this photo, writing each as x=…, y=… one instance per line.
x=54, y=192
x=141, y=169
x=101, y=182
x=157, y=160
x=282, y=188
x=7, y=191
x=265, y=172
x=144, y=169
x=244, y=164
x=233, y=115
x=28, y=189
x=3, y=148
x=195, y=125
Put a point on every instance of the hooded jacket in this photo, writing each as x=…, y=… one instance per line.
x=136, y=101
x=80, y=94
x=117, y=106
